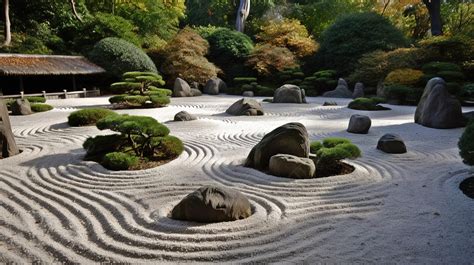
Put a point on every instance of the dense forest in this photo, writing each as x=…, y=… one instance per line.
x=283, y=40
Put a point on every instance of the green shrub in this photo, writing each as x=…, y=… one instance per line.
x=117, y=99
x=451, y=75
x=436, y=67
x=466, y=144
x=244, y=80
x=118, y=56
x=456, y=48
x=404, y=76
x=331, y=151
x=97, y=147
x=467, y=91
x=366, y=104
x=397, y=92
x=356, y=34
x=119, y=161
x=268, y=59
x=36, y=99
x=228, y=45
x=40, y=107
x=90, y=116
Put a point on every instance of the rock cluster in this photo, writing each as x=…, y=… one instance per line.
x=214, y=86
x=181, y=88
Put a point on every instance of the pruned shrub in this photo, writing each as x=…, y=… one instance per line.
x=41, y=107
x=404, y=76
x=119, y=161
x=466, y=144
x=268, y=59
x=36, y=99
x=118, y=56
x=184, y=56
x=467, y=92
x=356, y=34
x=370, y=104
x=450, y=72
x=142, y=140
x=330, y=152
x=87, y=117
x=456, y=48
x=241, y=84
x=319, y=82
x=227, y=45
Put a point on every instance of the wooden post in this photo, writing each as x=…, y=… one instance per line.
x=7, y=140
x=65, y=93
x=74, y=85
x=85, y=92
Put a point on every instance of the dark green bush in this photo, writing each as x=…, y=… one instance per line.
x=40, y=107
x=118, y=56
x=451, y=75
x=119, y=161
x=436, y=67
x=244, y=80
x=366, y=104
x=355, y=34
x=334, y=141
x=36, y=99
x=315, y=146
x=466, y=144
x=90, y=116
x=403, y=94
x=98, y=146
x=228, y=45
x=467, y=92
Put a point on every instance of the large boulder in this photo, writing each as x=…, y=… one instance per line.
x=210, y=204
x=181, y=88
x=21, y=107
x=358, y=90
x=392, y=144
x=359, y=124
x=341, y=91
x=290, y=166
x=291, y=139
x=245, y=106
x=289, y=94
x=184, y=116
x=437, y=108
x=8, y=145
x=214, y=86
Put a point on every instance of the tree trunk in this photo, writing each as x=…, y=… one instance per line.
x=242, y=14
x=74, y=11
x=434, y=8
x=8, y=146
x=6, y=16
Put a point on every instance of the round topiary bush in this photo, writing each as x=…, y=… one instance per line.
x=353, y=35
x=36, y=99
x=88, y=116
x=371, y=104
x=466, y=144
x=40, y=107
x=119, y=161
x=118, y=56
x=229, y=44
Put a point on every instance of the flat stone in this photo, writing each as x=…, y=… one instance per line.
x=210, y=204
x=392, y=144
x=290, y=166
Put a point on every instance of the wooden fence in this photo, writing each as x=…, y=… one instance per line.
x=57, y=95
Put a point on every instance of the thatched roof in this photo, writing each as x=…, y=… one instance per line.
x=26, y=64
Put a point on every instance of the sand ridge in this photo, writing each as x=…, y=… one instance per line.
x=392, y=208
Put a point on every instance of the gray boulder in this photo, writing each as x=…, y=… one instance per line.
x=214, y=86
x=358, y=90
x=437, y=108
x=248, y=94
x=8, y=145
x=210, y=204
x=184, y=116
x=21, y=107
x=289, y=94
x=392, y=144
x=341, y=91
x=290, y=166
x=359, y=124
x=329, y=103
x=181, y=88
x=245, y=106
x=195, y=92
x=291, y=138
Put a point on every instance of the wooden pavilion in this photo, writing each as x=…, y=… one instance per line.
x=38, y=67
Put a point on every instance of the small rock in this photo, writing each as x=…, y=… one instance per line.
x=214, y=86
x=392, y=144
x=248, y=94
x=341, y=91
x=195, y=92
x=359, y=124
x=358, y=90
x=329, y=103
x=184, y=116
x=290, y=166
x=245, y=106
x=181, y=88
x=289, y=94
x=210, y=204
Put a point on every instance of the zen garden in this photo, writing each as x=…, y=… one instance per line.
x=226, y=131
